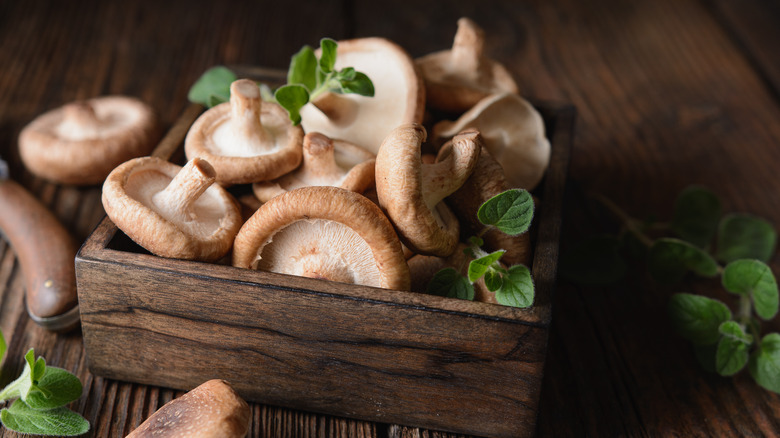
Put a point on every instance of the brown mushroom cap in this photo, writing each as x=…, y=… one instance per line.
x=411, y=192
x=456, y=79
x=326, y=162
x=513, y=132
x=81, y=142
x=172, y=211
x=399, y=95
x=212, y=410
x=246, y=140
x=323, y=232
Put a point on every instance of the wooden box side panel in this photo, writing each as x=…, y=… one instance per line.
x=317, y=352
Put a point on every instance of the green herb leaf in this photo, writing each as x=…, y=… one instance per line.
x=292, y=98
x=214, y=82
x=215, y=100
x=696, y=215
x=360, y=85
x=303, y=69
x=59, y=422
x=698, y=318
x=61, y=386
x=670, y=259
x=493, y=280
x=742, y=236
x=3, y=346
x=328, y=48
x=476, y=241
x=511, y=211
x=517, y=289
x=449, y=283
x=732, y=330
x=478, y=267
x=732, y=355
x=764, y=363
x=595, y=260
x=755, y=279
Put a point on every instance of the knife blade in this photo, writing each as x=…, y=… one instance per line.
x=46, y=254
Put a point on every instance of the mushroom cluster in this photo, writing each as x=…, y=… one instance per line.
x=358, y=193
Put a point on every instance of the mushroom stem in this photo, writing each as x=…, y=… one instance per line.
x=468, y=46
x=320, y=158
x=79, y=121
x=454, y=166
x=340, y=110
x=185, y=188
x=245, y=106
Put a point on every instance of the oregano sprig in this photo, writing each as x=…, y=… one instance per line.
x=701, y=240
x=307, y=79
x=40, y=395
x=512, y=213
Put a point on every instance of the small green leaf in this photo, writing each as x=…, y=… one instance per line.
x=303, y=68
x=478, y=267
x=58, y=422
x=698, y=318
x=493, y=280
x=214, y=82
x=755, y=279
x=670, y=259
x=511, y=211
x=742, y=236
x=61, y=386
x=517, y=289
x=360, y=85
x=215, y=100
x=3, y=346
x=696, y=215
x=595, y=260
x=292, y=98
x=732, y=330
x=328, y=49
x=347, y=74
x=764, y=363
x=476, y=241
x=449, y=283
x=732, y=355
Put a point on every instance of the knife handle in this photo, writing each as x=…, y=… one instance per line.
x=45, y=250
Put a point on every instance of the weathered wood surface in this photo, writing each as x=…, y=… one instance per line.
x=668, y=93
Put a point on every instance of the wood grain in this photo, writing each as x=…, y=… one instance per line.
x=667, y=92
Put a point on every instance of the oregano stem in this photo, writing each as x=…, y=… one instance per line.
x=629, y=222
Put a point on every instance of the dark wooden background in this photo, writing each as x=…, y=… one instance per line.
x=668, y=92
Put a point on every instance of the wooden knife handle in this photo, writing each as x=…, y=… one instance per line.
x=45, y=250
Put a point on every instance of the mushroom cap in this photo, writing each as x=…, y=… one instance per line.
x=204, y=231
x=513, y=132
x=399, y=94
x=81, y=142
x=411, y=192
x=323, y=232
x=326, y=162
x=211, y=410
x=456, y=79
x=246, y=140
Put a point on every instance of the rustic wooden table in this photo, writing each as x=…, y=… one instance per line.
x=668, y=93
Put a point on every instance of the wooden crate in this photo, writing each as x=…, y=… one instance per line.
x=347, y=350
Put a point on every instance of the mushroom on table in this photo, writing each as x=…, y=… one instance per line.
x=172, y=211
x=326, y=162
x=246, y=140
x=514, y=134
x=457, y=79
x=81, y=142
x=411, y=193
x=399, y=95
x=323, y=232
